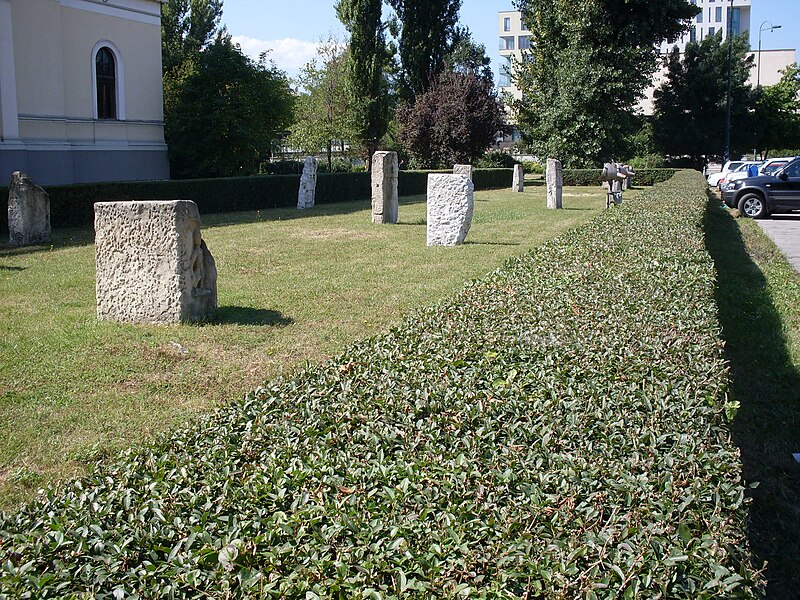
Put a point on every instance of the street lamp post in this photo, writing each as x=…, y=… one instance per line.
x=728, y=105
x=760, y=29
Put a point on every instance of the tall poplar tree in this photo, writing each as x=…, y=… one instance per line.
x=426, y=34
x=367, y=87
x=589, y=64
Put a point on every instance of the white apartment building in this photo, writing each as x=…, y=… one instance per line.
x=81, y=96
x=713, y=18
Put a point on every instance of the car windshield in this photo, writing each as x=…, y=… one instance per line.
x=734, y=166
x=740, y=168
x=773, y=167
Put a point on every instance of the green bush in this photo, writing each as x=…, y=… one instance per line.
x=496, y=159
x=555, y=430
x=533, y=168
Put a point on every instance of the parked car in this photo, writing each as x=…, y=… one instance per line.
x=740, y=172
x=773, y=165
x=760, y=196
x=729, y=166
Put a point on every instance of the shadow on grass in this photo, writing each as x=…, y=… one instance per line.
x=61, y=238
x=243, y=315
x=6, y=268
x=479, y=243
x=766, y=383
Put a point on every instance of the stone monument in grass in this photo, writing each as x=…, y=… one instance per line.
x=450, y=207
x=555, y=183
x=308, y=184
x=153, y=265
x=518, y=184
x=466, y=170
x=28, y=212
x=385, y=172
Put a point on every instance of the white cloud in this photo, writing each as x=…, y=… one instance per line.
x=289, y=54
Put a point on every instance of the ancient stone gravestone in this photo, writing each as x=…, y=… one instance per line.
x=519, y=179
x=555, y=183
x=467, y=170
x=385, y=172
x=308, y=184
x=28, y=212
x=450, y=207
x=153, y=265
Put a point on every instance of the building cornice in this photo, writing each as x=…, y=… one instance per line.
x=143, y=11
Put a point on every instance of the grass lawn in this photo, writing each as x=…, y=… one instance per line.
x=293, y=287
x=759, y=309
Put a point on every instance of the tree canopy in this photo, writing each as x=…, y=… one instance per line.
x=691, y=105
x=777, y=113
x=426, y=32
x=187, y=26
x=455, y=121
x=367, y=86
x=225, y=112
x=587, y=68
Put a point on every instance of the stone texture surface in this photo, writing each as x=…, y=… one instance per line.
x=153, y=265
x=450, y=207
x=626, y=170
x=518, y=184
x=308, y=184
x=555, y=183
x=465, y=170
x=28, y=212
x=385, y=172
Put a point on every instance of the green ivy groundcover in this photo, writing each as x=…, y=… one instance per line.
x=555, y=430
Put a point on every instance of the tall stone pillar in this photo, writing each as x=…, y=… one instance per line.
x=308, y=184
x=385, y=173
x=467, y=170
x=28, y=212
x=450, y=207
x=555, y=183
x=518, y=184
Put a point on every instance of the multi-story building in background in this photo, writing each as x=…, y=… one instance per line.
x=713, y=17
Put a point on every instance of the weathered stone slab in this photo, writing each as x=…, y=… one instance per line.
x=153, y=265
x=308, y=184
x=627, y=170
x=385, y=173
x=467, y=170
x=450, y=207
x=518, y=184
x=28, y=212
x=555, y=183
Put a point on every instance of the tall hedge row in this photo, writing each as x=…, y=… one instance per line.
x=555, y=430
x=73, y=205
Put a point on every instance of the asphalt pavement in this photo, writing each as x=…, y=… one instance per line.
x=784, y=230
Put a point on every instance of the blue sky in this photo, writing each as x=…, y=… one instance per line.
x=291, y=29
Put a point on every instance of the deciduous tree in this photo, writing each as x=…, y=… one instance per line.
x=690, y=106
x=777, y=113
x=225, y=112
x=187, y=26
x=323, y=112
x=587, y=68
x=426, y=32
x=455, y=121
x=367, y=87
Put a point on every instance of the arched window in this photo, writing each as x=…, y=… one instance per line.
x=106, y=74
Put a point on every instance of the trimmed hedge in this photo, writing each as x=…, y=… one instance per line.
x=73, y=205
x=555, y=430
x=643, y=177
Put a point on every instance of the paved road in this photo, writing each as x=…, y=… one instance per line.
x=784, y=230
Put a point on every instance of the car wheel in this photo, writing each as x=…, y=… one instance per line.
x=753, y=205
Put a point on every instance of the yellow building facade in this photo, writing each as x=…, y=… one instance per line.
x=81, y=96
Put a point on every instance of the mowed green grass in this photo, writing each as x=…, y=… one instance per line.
x=293, y=287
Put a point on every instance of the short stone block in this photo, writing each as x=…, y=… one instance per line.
x=308, y=184
x=555, y=183
x=518, y=184
x=450, y=207
x=28, y=212
x=153, y=265
x=385, y=173
x=466, y=170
